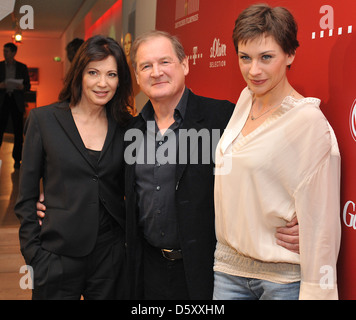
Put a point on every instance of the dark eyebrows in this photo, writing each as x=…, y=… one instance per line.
x=95, y=69
x=261, y=54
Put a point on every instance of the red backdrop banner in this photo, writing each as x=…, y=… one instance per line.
x=325, y=67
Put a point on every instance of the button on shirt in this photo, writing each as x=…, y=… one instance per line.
x=155, y=179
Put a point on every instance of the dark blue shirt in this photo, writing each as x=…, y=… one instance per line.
x=155, y=179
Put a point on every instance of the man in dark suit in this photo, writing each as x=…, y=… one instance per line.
x=170, y=183
x=12, y=98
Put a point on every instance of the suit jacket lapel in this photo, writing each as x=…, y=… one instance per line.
x=130, y=177
x=112, y=127
x=18, y=71
x=193, y=119
x=65, y=118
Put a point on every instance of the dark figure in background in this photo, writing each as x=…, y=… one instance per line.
x=12, y=97
x=72, y=48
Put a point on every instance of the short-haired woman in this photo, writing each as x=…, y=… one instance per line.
x=76, y=147
x=285, y=163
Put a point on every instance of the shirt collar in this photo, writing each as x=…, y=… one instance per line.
x=10, y=63
x=147, y=112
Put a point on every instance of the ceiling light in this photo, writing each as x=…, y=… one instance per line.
x=18, y=37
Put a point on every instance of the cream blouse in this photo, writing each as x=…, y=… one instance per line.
x=290, y=165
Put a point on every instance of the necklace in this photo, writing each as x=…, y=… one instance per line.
x=253, y=102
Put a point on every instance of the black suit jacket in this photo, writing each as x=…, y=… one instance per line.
x=194, y=198
x=53, y=150
x=19, y=95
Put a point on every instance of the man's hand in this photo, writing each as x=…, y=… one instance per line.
x=288, y=236
x=41, y=208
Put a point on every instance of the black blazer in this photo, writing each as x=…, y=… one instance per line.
x=194, y=200
x=53, y=150
x=19, y=95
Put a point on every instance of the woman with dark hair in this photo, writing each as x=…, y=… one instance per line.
x=285, y=163
x=76, y=147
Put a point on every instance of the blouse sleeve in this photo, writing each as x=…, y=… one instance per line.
x=318, y=212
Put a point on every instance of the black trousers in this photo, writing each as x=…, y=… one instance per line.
x=163, y=279
x=99, y=276
x=9, y=109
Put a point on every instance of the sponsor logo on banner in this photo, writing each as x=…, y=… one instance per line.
x=353, y=120
x=349, y=214
x=195, y=56
x=186, y=12
x=217, y=54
